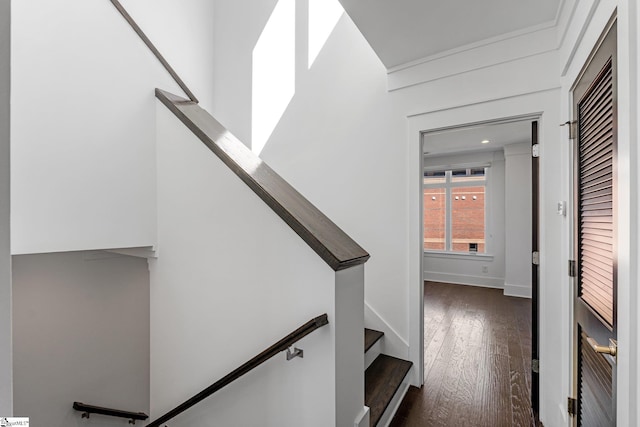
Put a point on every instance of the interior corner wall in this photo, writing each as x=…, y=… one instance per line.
x=468, y=269
x=339, y=141
x=518, y=214
x=182, y=32
x=81, y=333
x=6, y=369
x=83, y=117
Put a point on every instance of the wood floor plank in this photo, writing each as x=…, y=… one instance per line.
x=477, y=360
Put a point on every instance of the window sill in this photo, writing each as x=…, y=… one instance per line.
x=458, y=255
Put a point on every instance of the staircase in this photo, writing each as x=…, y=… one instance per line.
x=386, y=380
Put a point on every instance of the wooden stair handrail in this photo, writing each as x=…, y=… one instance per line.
x=332, y=244
x=154, y=50
x=256, y=361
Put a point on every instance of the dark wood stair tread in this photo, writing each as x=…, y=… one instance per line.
x=381, y=381
x=370, y=338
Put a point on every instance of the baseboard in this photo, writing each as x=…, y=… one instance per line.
x=392, y=343
x=517, y=291
x=463, y=279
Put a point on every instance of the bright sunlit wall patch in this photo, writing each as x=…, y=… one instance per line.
x=323, y=17
x=274, y=73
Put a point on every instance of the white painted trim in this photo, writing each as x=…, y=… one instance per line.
x=583, y=30
x=348, y=324
x=363, y=418
x=474, y=59
x=484, y=102
x=517, y=291
x=142, y=252
x=373, y=353
x=139, y=252
x=569, y=13
x=391, y=410
x=542, y=104
x=518, y=149
x=392, y=343
x=458, y=255
x=472, y=46
x=465, y=279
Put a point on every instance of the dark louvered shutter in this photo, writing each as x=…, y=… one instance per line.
x=596, y=195
x=595, y=388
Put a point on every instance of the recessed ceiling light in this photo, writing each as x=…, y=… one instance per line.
x=485, y=141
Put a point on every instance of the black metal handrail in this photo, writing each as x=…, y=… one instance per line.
x=276, y=348
x=153, y=49
x=91, y=409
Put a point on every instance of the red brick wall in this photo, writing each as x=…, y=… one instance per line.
x=434, y=218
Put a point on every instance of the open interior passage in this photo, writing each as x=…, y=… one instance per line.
x=477, y=360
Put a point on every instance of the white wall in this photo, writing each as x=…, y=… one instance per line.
x=468, y=269
x=183, y=33
x=339, y=142
x=231, y=279
x=5, y=254
x=83, y=118
x=523, y=88
x=518, y=220
x=81, y=333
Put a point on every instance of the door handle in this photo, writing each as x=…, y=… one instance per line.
x=611, y=349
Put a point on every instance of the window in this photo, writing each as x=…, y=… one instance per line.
x=454, y=209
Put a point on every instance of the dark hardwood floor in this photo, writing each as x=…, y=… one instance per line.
x=477, y=360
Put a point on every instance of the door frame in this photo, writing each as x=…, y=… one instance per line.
x=555, y=375
x=530, y=118
x=620, y=216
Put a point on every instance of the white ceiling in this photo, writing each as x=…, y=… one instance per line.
x=402, y=31
x=467, y=139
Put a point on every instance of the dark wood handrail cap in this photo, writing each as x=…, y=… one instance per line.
x=332, y=244
x=92, y=409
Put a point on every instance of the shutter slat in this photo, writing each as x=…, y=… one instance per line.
x=596, y=176
x=597, y=193
x=598, y=305
x=589, y=243
x=597, y=253
x=601, y=212
x=594, y=139
x=597, y=163
x=594, y=185
x=599, y=124
x=599, y=280
x=598, y=92
x=599, y=220
x=598, y=238
x=596, y=132
x=599, y=264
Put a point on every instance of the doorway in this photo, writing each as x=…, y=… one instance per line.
x=480, y=221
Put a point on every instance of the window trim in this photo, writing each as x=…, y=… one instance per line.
x=448, y=185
